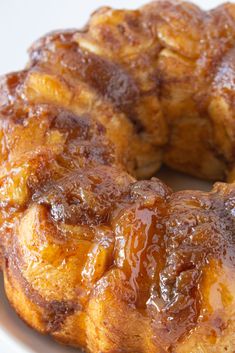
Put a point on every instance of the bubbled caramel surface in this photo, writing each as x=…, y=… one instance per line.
x=92, y=254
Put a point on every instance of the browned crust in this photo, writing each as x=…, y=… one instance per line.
x=91, y=256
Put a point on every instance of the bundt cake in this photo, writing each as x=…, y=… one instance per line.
x=92, y=253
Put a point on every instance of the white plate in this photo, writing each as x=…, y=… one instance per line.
x=21, y=22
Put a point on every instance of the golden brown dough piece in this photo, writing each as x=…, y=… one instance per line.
x=90, y=255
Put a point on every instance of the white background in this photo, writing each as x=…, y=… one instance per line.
x=21, y=22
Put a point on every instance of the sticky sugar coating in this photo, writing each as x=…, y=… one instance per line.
x=91, y=253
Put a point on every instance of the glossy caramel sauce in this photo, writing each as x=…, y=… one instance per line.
x=92, y=254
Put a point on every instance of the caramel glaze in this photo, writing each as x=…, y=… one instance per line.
x=90, y=255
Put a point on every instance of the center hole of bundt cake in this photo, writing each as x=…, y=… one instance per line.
x=181, y=181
